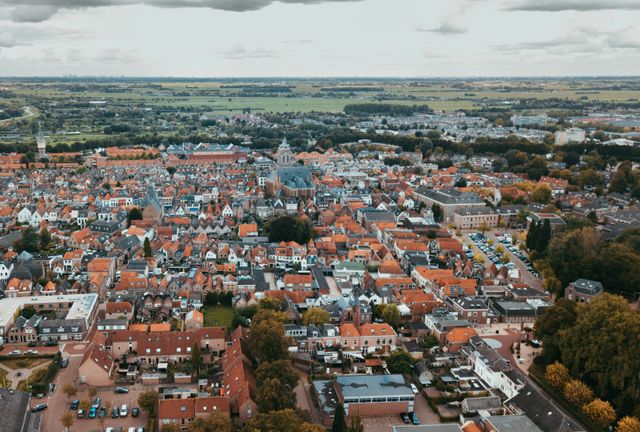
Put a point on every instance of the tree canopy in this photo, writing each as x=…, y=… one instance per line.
x=290, y=228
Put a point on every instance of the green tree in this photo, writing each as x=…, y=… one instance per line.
x=216, y=422
x=29, y=242
x=134, y=214
x=573, y=254
x=280, y=370
x=316, y=316
x=355, y=424
x=339, y=423
x=389, y=313
x=28, y=311
x=400, y=362
x=273, y=395
x=45, y=239
x=537, y=168
x=196, y=357
x=148, y=401
x=548, y=327
x=617, y=268
x=438, y=214
x=286, y=420
x=290, y=228
x=148, y=252
x=541, y=194
x=267, y=341
x=543, y=237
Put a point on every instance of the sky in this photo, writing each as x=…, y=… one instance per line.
x=319, y=38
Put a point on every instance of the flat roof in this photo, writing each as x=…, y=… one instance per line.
x=81, y=308
x=373, y=385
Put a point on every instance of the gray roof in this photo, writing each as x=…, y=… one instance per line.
x=513, y=423
x=14, y=405
x=373, y=385
x=450, y=196
x=587, y=286
x=295, y=177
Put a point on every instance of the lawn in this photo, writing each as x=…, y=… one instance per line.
x=218, y=316
x=35, y=377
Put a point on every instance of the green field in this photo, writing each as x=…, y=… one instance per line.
x=218, y=316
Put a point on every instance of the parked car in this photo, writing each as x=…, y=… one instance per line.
x=121, y=390
x=115, y=413
x=96, y=403
x=15, y=352
x=414, y=418
x=74, y=404
x=93, y=412
x=102, y=412
x=405, y=418
x=64, y=363
x=414, y=389
x=32, y=352
x=39, y=407
x=123, y=410
x=80, y=413
x=135, y=411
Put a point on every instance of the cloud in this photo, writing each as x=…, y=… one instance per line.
x=446, y=28
x=579, y=41
x=32, y=13
x=42, y=10
x=241, y=53
x=572, y=5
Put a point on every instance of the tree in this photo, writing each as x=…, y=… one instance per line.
x=572, y=255
x=437, y=212
x=148, y=252
x=617, y=268
x=316, y=316
x=196, y=358
x=541, y=194
x=67, y=420
x=628, y=424
x=557, y=375
x=537, y=168
x=29, y=242
x=267, y=341
x=134, y=214
x=286, y=420
x=273, y=395
x=148, y=401
x=543, y=237
x=577, y=392
x=339, y=424
x=290, y=228
x=548, y=327
x=70, y=390
x=28, y=311
x=532, y=236
x=400, y=362
x=389, y=313
x=280, y=370
x=171, y=427
x=600, y=412
x=216, y=422
x=45, y=239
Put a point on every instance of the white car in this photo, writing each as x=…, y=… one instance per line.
x=132, y=429
x=414, y=389
x=15, y=352
x=123, y=410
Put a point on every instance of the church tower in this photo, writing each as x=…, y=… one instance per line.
x=41, y=142
x=285, y=156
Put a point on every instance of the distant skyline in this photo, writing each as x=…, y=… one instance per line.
x=320, y=38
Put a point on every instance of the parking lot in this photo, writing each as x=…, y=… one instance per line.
x=517, y=259
x=109, y=400
x=384, y=423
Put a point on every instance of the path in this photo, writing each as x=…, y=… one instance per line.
x=17, y=375
x=28, y=114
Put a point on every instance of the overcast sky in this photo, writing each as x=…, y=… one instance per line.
x=402, y=38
